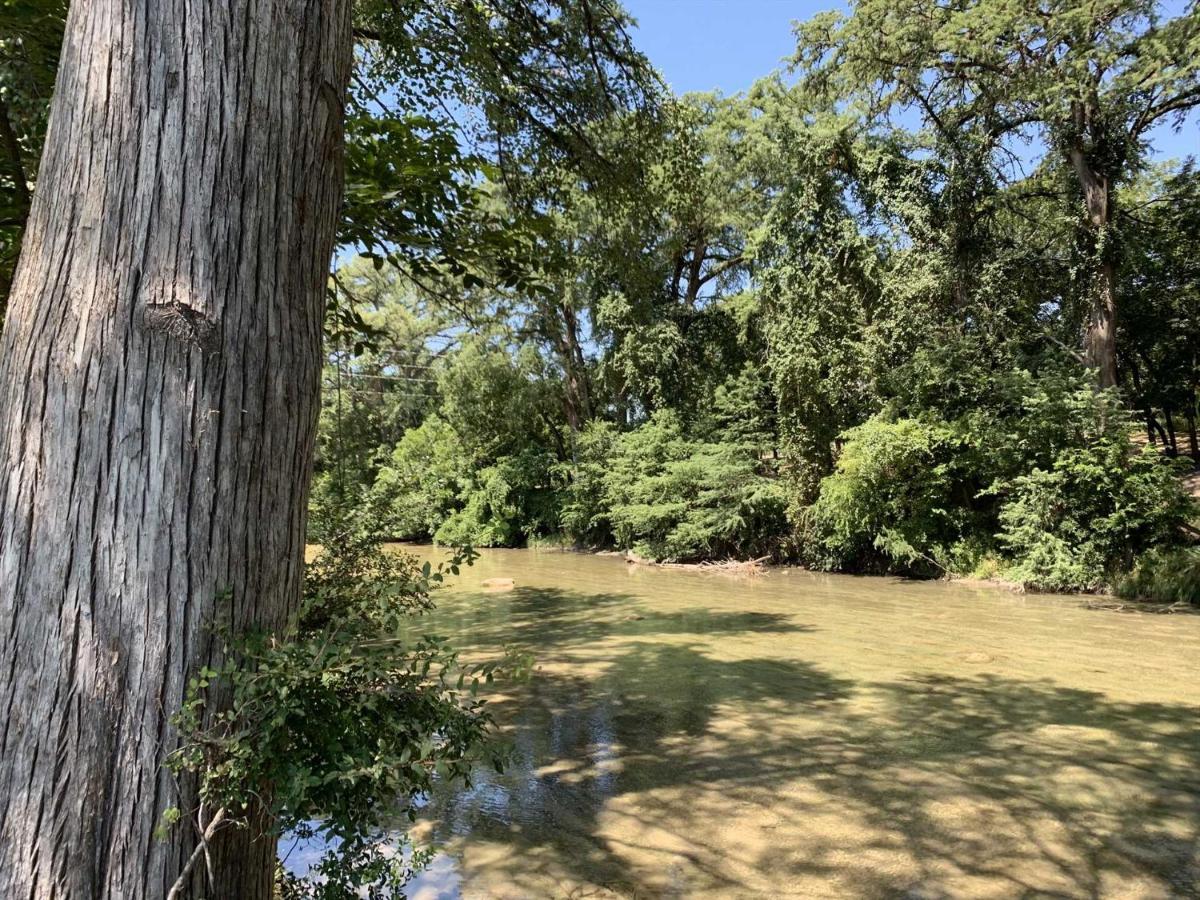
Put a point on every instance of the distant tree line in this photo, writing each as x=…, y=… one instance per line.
x=906, y=306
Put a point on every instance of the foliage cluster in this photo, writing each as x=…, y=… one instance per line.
x=335, y=729
x=1165, y=576
x=871, y=291
x=670, y=495
x=1049, y=493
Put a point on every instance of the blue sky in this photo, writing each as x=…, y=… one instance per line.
x=725, y=45
x=704, y=45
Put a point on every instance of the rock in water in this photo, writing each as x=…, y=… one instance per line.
x=976, y=656
x=498, y=584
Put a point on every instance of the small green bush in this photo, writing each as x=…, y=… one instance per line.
x=418, y=489
x=672, y=497
x=504, y=504
x=1079, y=524
x=1036, y=483
x=332, y=728
x=583, y=513
x=324, y=505
x=900, y=497
x=1165, y=576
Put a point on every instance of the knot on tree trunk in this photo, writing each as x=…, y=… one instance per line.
x=183, y=323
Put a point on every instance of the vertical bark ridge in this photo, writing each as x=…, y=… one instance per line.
x=159, y=372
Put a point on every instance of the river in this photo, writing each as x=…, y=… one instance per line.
x=687, y=734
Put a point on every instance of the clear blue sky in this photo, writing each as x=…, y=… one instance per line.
x=725, y=45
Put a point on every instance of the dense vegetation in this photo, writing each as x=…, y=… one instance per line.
x=896, y=308
x=924, y=302
x=860, y=316
x=351, y=717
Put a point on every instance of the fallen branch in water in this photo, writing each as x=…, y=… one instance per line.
x=748, y=568
x=1178, y=606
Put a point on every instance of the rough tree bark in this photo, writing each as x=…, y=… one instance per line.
x=158, y=394
x=1100, y=330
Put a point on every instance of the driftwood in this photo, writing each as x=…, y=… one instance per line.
x=1178, y=606
x=739, y=567
x=745, y=568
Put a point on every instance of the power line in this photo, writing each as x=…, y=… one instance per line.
x=364, y=377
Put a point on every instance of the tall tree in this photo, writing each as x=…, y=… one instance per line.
x=1090, y=78
x=158, y=396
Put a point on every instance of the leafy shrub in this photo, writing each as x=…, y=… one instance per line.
x=1034, y=479
x=338, y=724
x=428, y=490
x=325, y=505
x=353, y=585
x=901, y=495
x=1165, y=576
x=673, y=497
x=583, y=512
x=418, y=489
x=504, y=504
x=1080, y=523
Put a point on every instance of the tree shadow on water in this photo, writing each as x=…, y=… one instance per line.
x=667, y=771
x=544, y=619
x=1025, y=786
x=579, y=742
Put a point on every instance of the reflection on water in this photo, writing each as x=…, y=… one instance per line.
x=692, y=735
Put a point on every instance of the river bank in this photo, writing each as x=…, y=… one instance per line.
x=1104, y=598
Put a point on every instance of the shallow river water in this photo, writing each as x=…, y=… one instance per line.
x=797, y=735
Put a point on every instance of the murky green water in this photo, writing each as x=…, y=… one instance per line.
x=798, y=735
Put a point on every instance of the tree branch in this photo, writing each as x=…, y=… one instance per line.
x=1155, y=111
x=201, y=850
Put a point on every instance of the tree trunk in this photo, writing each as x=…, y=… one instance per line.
x=1193, y=439
x=1172, y=443
x=1100, y=330
x=1140, y=397
x=576, y=391
x=1100, y=335
x=1153, y=423
x=159, y=375
x=695, y=264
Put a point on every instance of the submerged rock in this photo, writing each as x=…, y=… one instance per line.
x=976, y=656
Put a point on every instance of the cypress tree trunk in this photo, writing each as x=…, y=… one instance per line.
x=158, y=395
x=1100, y=334
x=1100, y=329
x=576, y=393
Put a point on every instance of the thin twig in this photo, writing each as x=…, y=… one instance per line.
x=201, y=850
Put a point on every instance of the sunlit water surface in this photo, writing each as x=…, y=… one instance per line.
x=798, y=735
